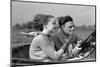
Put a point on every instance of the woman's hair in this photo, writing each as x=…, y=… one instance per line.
x=65, y=19
x=42, y=19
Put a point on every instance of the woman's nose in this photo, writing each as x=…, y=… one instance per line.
x=57, y=26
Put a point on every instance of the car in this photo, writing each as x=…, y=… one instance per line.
x=30, y=34
x=20, y=54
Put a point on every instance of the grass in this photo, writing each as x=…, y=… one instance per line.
x=18, y=39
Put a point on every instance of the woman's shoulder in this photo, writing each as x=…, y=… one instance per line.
x=37, y=40
x=40, y=38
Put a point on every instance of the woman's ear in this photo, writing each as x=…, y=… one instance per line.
x=45, y=27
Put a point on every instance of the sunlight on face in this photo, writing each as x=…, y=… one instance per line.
x=52, y=25
x=68, y=27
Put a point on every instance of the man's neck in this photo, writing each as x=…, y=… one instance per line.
x=64, y=33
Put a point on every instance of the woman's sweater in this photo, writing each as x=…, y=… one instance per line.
x=42, y=48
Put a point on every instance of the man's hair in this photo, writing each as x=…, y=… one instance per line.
x=42, y=18
x=65, y=19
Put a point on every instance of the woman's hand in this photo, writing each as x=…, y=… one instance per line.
x=68, y=40
x=65, y=43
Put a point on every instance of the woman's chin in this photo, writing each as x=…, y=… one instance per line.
x=53, y=31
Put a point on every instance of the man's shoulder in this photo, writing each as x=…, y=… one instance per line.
x=56, y=34
x=74, y=35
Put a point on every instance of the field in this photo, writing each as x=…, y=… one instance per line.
x=18, y=39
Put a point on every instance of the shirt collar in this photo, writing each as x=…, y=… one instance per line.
x=63, y=33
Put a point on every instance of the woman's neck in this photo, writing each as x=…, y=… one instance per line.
x=47, y=32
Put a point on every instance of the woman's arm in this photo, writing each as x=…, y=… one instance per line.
x=50, y=51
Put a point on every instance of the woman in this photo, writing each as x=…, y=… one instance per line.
x=42, y=46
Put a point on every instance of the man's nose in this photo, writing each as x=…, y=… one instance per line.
x=73, y=28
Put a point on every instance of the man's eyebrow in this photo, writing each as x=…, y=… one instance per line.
x=71, y=26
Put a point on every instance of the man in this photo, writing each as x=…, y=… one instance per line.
x=64, y=35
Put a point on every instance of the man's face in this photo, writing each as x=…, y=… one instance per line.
x=68, y=27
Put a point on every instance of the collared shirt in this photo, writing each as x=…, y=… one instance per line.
x=59, y=39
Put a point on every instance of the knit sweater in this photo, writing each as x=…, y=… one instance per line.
x=42, y=48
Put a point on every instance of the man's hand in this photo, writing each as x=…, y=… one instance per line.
x=76, y=48
x=93, y=44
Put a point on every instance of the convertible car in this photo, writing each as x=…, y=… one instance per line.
x=20, y=54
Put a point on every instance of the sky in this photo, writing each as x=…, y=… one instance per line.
x=23, y=12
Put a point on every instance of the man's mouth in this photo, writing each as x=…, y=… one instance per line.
x=71, y=32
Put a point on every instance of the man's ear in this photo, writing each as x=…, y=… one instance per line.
x=62, y=27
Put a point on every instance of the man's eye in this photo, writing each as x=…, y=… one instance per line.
x=71, y=26
x=54, y=23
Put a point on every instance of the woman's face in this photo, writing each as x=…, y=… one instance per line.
x=52, y=25
x=68, y=27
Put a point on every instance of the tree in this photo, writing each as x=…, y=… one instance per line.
x=17, y=26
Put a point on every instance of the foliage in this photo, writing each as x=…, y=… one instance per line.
x=36, y=24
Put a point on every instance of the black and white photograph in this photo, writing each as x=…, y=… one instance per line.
x=45, y=33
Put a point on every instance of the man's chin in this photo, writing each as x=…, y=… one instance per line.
x=71, y=33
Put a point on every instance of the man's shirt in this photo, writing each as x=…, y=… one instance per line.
x=59, y=39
